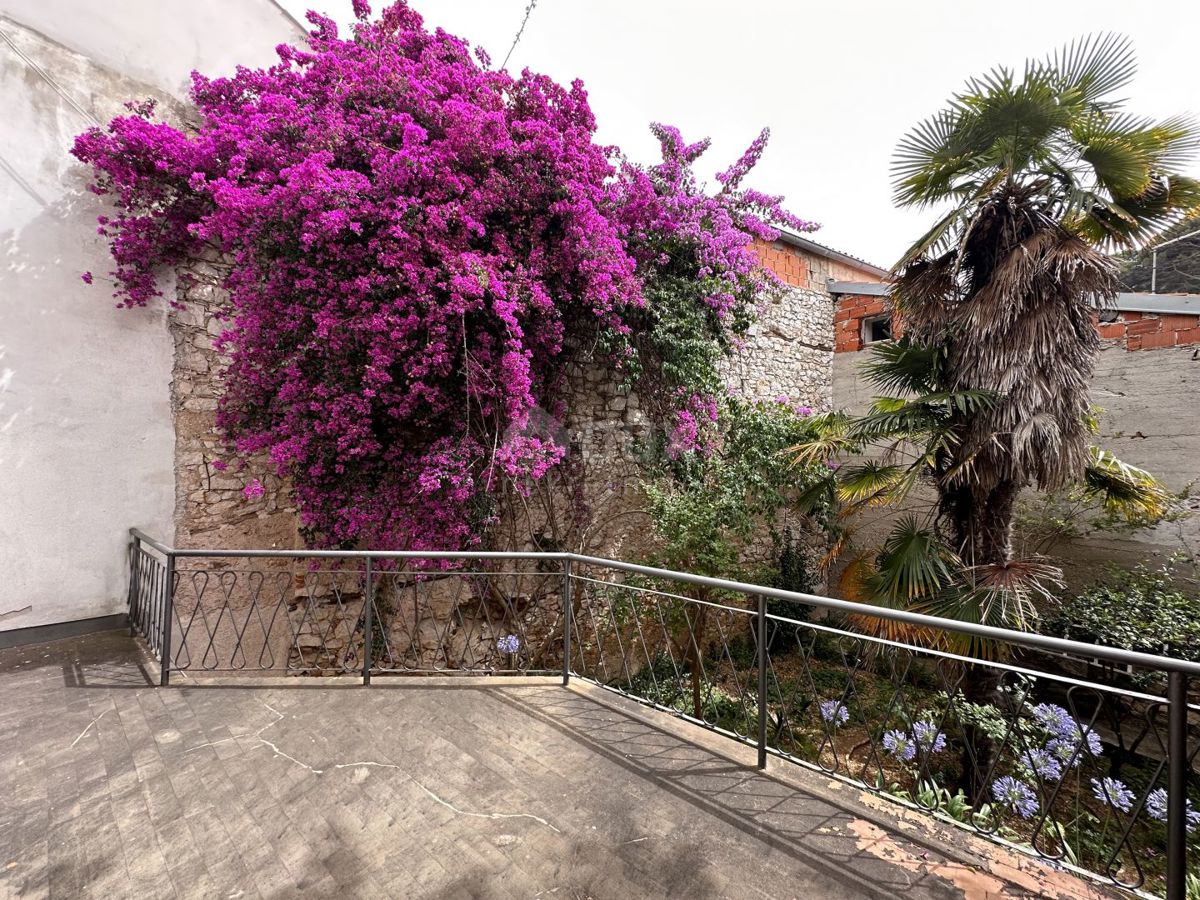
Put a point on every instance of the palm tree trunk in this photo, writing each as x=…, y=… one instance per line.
x=994, y=524
x=991, y=529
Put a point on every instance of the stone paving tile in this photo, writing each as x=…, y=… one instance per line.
x=114, y=788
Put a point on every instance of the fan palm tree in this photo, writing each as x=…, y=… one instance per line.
x=911, y=438
x=917, y=438
x=1043, y=175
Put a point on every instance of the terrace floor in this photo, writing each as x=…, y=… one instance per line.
x=112, y=788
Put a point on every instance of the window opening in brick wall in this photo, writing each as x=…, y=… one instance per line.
x=877, y=328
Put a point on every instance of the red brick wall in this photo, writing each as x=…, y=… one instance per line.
x=803, y=270
x=788, y=263
x=1150, y=331
x=1135, y=330
x=848, y=320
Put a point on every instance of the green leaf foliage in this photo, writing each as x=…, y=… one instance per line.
x=1143, y=609
x=706, y=507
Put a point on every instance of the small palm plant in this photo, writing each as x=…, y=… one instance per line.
x=987, y=392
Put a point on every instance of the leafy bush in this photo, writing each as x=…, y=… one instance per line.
x=1141, y=609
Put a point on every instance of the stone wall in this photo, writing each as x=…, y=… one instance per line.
x=591, y=504
x=788, y=352
x=211, y=509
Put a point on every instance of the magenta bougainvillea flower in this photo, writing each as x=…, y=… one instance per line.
x=416, y=241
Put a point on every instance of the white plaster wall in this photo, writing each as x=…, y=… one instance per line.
x=86, y=437
x=160, y=42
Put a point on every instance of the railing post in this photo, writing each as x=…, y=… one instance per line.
x=1177, y=773
x=168, y=610
x=567, y=614
x=368, y=624
x=761, y=625
x=135, y=545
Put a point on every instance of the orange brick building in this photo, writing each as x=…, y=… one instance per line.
x=1139, y=322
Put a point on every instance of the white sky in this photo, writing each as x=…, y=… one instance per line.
x=837, y=82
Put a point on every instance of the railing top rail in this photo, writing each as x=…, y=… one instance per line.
x=1031, y=640
x=344, y=554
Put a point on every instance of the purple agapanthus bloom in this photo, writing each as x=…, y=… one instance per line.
x=1067, y=732
x=1043, y=763
x=834, y=712
x=1156, y=805
x=510, y=643
x=1056, y=720
x=1113, y=792
x=1070, y=750
x=928, y=737
x=1016, y=795
x=900, y=745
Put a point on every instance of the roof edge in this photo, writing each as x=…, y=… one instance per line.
x=1178, y=304
x=867, y=288
x=821, y=250
x=1187, y=304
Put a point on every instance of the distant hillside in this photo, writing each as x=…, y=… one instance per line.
x=1178, y=264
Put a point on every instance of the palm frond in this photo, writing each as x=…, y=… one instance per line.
x=831, y=436
x=872, y=483
x=1126, y=490
x=913, y=564
x=904, y=366
x=1000, y=595
x=1092, y=68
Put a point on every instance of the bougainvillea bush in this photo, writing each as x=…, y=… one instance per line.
x=417, y=243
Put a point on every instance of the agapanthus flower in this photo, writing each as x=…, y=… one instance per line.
x=900, y=745
x=1043, y=763
x=834, y=712
x=1156, y=806
x=929, y=737
x=1016, y=795
x=510, y=643
x=1113, y=792
x=1055, y=719
x=1070, y=751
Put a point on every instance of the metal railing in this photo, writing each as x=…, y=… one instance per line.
x=1079, y=754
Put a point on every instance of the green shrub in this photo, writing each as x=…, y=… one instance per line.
x=1141, y=609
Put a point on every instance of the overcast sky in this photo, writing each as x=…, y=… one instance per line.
x=838, y=83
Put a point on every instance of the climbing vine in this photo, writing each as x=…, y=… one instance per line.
x=417, y=243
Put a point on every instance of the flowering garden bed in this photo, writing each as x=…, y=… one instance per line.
x=1070, y=771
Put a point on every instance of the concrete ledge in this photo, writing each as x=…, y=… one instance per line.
x=57, y=631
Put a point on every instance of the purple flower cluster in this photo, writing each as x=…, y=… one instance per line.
x=900, y=745
x=1113, y=792
x=510, y=643
x=1069, y=742
x=1156, y=805
x=924, y=737
x=1043, y=763
x=929, y=737
x=415, y=242
x=834, y=712
x=1016, y=795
